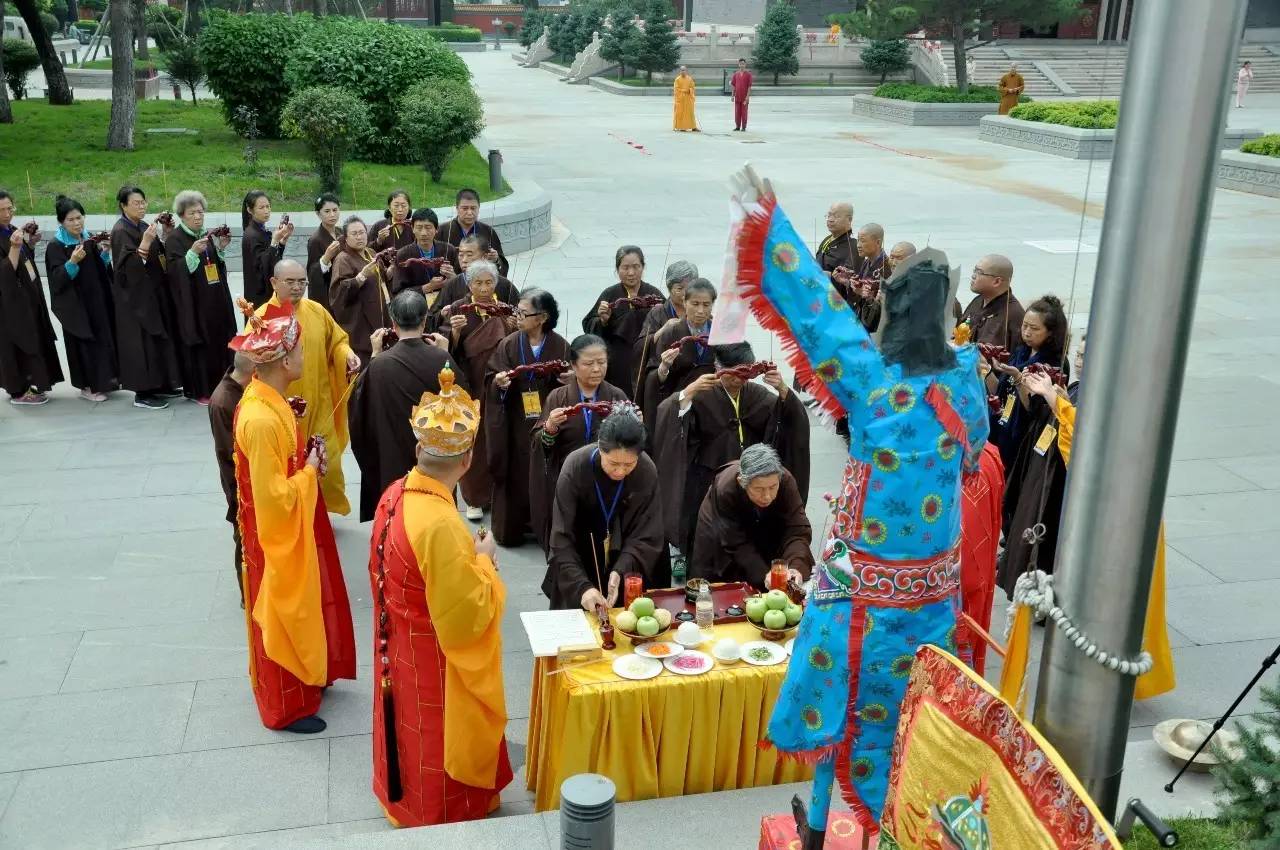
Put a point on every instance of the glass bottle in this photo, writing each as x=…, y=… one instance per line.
x=704, y=610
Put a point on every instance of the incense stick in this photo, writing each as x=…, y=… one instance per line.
x=596, y=560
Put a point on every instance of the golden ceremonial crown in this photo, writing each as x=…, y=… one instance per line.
x=446, y=424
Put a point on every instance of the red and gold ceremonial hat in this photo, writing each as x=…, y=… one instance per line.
x=268, y=337
x=446, y=424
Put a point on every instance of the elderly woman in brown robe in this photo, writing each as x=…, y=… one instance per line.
x=474, y=334
x=710, y=422
x=679, y=274
x=358, y=293
x=673, y=364
x=752, y=516
x=620, y=327
x=606, y=521
x=556, y=434
x=393, y=230
x=514, y=406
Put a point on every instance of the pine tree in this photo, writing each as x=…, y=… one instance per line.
x=886, y=56
x=622, y=42
x=1249, y=787
x=659, y=50
x=590, y=21
x=777, y=42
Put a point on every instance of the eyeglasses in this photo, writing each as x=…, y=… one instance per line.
x=983, y=272
x=521, y=314
x=296, y=283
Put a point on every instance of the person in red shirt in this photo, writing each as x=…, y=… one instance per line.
x=741, y=82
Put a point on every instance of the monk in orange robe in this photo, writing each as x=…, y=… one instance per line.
x=297, y=614
x=685, y=95
x=439, y=714
x=1010, y=86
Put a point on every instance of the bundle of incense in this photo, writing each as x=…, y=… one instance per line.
x=994, y=353
x=386, y=256
x=993, y=403
x=545, y=369
x=492, y=308
x=219, y=232
x=165, y=218
x=31, y=228
x=389, y=338
x=700, y=339
x=637, y=303
x=298, y=404
x=599, y=408
x=284, y=220
x=98, y=238
x=1055, y=374
x=747, y=371
x=429, y=263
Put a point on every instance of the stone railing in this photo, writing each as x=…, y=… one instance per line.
x=540, y=50
x=1073, y=142
x=1250, y=172
x=589, y=62
x=926, y=56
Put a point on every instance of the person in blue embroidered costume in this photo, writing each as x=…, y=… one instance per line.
x=888, y=579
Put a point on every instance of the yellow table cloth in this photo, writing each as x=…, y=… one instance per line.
x=661, y=737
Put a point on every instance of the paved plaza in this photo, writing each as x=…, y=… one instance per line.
x=125, y=716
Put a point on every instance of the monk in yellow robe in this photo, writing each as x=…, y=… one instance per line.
x=1155, y=635
x=324, y=380
x=685, y=97
x=1010, y=87
x=439, y=713
x=296, y=608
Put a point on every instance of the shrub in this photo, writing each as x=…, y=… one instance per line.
x=454, y=33
x=332, y=122
x=436, y=119
x=534, y=22
x=244, y=56
x=182, y=64
x=940, y=94
x=162, y=24
x=1087, y=114
x=509, y=28
x=20, y=59
x=886, y=56
x=1268, y=145
x=376, y=62
x=87, y=25
x=51, y=25
x=98, y=6
x=777, y=42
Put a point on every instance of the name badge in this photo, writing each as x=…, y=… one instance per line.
x=1007, y=410
x=431, y=298
x=164, y=261
x=211, y=273
x=532, y=404
x=1046, y=439
x=31, y=270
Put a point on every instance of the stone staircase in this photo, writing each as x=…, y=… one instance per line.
x=990, y=64
x=1266, y=66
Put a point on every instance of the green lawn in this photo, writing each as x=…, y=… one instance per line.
x=105, y=64
x=62, y=149
x=1193, y=834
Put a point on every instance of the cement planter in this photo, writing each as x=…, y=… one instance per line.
x=922, y=114
x=1072, y=142
x=1249, y=172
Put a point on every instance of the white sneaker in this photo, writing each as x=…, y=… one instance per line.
x=475, y=513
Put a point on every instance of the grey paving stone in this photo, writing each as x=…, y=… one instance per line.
x=1209, y=678
x=223, y=714
x=1234, y=557
x=1194, y=477
x=8, y=784
x=1228, y=612
x=35, y=665
x=103, y=517
x=1222, y=513
x=180, y=479
x=302, y=836
x=18, y=454
x=1146, y=770
x=55, y=559
x=70, y=485
x=351, y=779
x=517, y=681
x=162, y=799
x=206, y=549
x=1181, y=571
x=61, y=729
x=117, y=451
x=152, y=655
x=46, y=604
x=12, y=519
x=1263, y=471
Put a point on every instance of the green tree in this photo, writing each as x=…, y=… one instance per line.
x=534, y=22
x=1249, y=787
x=182, y=64
x=54, y=78
x=622, y=42
x=437, y=119
x=20, y=59
x=560, y=39
x=658, y=48
x=777, y=42
x=886, y=56
x=881, y=20
x=332, y=122
x=963, y=19
x=590, y=21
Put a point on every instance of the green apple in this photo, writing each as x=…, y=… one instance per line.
x=642, y=607
x=793, y=612
x=776, y=600
x=756, y=607
x=647, y=627
x=626, y=621
x=775, y=619
x=663, y=616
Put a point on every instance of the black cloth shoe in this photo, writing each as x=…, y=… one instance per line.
x=148, y=402
x=176, y=392
x=307, y=725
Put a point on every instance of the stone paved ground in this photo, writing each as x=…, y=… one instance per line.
x=125, y=717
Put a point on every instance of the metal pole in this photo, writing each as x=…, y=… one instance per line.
x=1162, y=178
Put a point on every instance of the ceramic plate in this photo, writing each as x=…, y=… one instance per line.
x=689, y=663
x=787, y=647
x=659, y=649
x=636, y=667
x=762, y=653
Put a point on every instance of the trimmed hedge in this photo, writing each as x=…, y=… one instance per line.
x=940, y=94
x=245, y=57
x=1268, y=145
x=456, y=34
x=1085, y=114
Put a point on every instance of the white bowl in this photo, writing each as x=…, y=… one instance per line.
x=726, y=649
x=689, y=637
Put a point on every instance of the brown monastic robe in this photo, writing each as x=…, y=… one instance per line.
x=317, y=279
x=620, y=333
x=996, y=323
x=400, y=234
x=1010, y=87
x=258, y=260
x=222, y=412
x=145, y=331
x=28, y=356
x=690, y=448
x=385, y=395
x=547, y=452
x=508, y=426
x=426, y=281
x=1033, y=494
x=737, y=541
x=836, y=251
x=455, y=288
x=83, y=306
x=578, y=521
x=472, y=348
x=690, y=364
x=361, y=309
x=452, y=232
x=653, y=322
x=206, y=317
